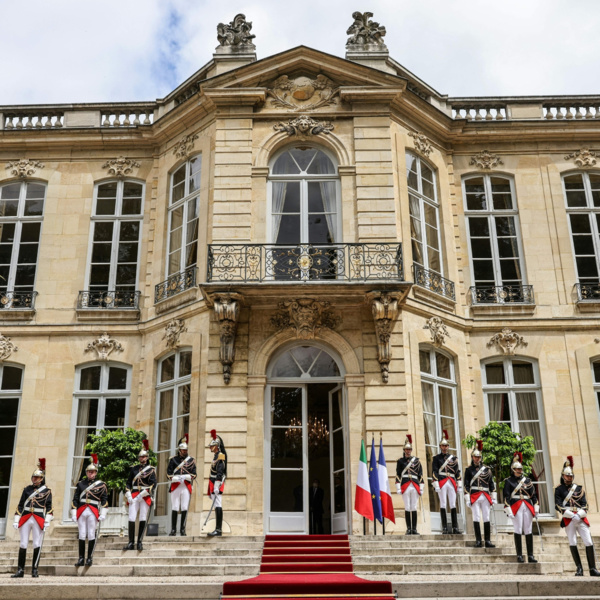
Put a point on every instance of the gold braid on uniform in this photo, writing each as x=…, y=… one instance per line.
x=39, y=500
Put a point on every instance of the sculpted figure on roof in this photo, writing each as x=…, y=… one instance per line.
x=364, y=31
x=236, y=33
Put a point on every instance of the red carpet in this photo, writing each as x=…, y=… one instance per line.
x=315, y=566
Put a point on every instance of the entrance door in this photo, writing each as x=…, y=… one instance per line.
x=337, y=453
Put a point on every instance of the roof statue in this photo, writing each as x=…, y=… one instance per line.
x=236, y=33
x=364, y=32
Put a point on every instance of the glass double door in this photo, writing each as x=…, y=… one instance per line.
x=306, y=464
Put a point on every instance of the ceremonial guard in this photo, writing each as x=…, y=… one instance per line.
x=181, y=472
x=572, y=504
x=521, y=505
x=139, y=489
x=480, y=495
x=447, y=483
x=34, y=514
x=216, y=484
x=409, y=483
x=89, y=507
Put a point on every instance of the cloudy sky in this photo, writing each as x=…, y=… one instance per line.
x=125, y=50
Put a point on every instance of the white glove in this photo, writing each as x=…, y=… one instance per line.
x=47, y=521
x=176, y=479
x=103, y=513
x=436, y=486
x=459, y=486
x=422, y=488
x=217, y=486
x=398, y=488
x=128, y=496
x=468, y=499
x=494, y=498
x=581, y=514
x=142, y=495
x=537, y=509
x=186, y=477
x=509, y=512
x=16, y=521
x=74, y=515
x=568, y=514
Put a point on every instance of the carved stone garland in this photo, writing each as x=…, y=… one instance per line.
x=507, y=340
x=173, y=330
x=302, y=93
x=385, y=309
x=6, y=348
x=304, y=126
x=104, y=346
x=438, y=331
x=120, y=167
x=227, y=311
x=183, y=147
x=422, y=143
x=583, y=157
x=486, y=160
x=24, y=167
x=306, y=316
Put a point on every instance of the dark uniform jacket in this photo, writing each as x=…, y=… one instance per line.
x=177, y=468
x=482, y=484
x=451, y=472
x=96, y=497
x=217, y=472
x=577, y=501
x=146, y=481
x=525, y=494
x=414, y=473
x=38, y=506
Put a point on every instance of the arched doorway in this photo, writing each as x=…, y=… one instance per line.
x=306, y=440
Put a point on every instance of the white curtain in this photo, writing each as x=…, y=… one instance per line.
x=330, y=207
x=80, y=439
x=416, y=229
x=279, y=190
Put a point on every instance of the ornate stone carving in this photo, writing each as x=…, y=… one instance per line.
x=24, y=167
x=438, y=331
x=365, y=32
x=583, y=157
x=306, y=316
x=227, y=311
x=173, y=330
x=236, y=33
x=104, y=346
x=302, y=93
x=422, y=143
x=507, y=340
x=120, y=167
x=385, y=310
x=304, y=126
x=486, y=160
x=6, y=347
x=184, y=145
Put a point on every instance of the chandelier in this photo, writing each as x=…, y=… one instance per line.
x=318, y=434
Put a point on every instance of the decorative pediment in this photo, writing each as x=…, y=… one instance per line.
x=302, y=93
x=507, y=341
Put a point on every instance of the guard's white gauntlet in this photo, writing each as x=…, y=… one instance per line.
x=509, y=512
x=74, y=515
x=569, y=514
x=537, y=509
x=494, y=498
x=47, y=520
x=186, y=477
x=16, y=521
x=398, y=488
x=468, y=499
x=128, y=496
x=421, y=488
x=176, y=479
x=217, y=486
x=436, y=486
x=103, y=513
x=460, y=487
x=143, y=494
x=581, y=514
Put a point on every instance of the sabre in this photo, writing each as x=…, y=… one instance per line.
x=147, y=519
x=213, y=503
x=37, y=562
x=422, y=508
x=540, y=533
x=97, y=535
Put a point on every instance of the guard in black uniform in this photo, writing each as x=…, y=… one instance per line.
x=34, y=514
x=181, y=472
x=480, y=495
x=447, y=483
x=139, y=489
x=572, y=504
x=216, y=484
x=521, y=505
x=409, y=483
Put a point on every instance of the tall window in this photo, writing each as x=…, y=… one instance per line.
x=513, y=396
x=183, y=216
x=596, y=374
x=21, y=213
x=11, y=384
x=116, y=235
x=424, y=217
x=438, y=387
x=494, y=238
x=101, y=401
x=172, y=415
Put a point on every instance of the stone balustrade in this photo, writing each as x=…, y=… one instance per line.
x=126, y=117
x=569, y=110
x=33, y=119
x=479, y=112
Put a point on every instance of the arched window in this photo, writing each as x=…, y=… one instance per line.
x=513, y=396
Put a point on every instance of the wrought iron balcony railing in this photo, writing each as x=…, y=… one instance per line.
x=109, y=300
x=433, y=281
x=502, y=294
x=179, y=282
x=17, y=300
x=588, y=292
x=304, y=262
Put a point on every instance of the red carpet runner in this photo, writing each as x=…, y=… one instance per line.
x=318, y=566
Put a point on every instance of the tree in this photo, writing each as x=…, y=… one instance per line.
x=500, y=443
x=117, y=451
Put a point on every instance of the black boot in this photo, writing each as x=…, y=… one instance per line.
x=577, y=560
x=183, y=522
x=589, y=552
x=81, y=560
x=477, y=528
x=414, y=522
x=407, y=518
x=21, y=563
x=487, y=535
x=34, y=565
x=519, y=548
x=141, y=530
x=454, y=516
x=173, y=523
x=529, y=542
x=444, y=521
x=89, y=561
x=218, y=530
x=131, y=546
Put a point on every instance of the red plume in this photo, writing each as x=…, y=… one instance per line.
x=518, y=455
x=480, y=445
x=213, y=434
x=95, y=459
x=445, y=432
x=187, y=438
x=571, y=462
x=409, y=438
x=42, y=464
x=146, y=445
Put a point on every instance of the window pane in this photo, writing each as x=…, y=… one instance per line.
x=87, y=416
x=30, y=232
x=164, y=436
x=106, y=206
x=165, y=410
x=183, y=426
x=114, y=417
x=580, y=223
x=321, y=165
x=90, y=378
x=286, y=406
x=303, y=157
x=425, y=361
x=430, y=430
x=505, y=226
x=286, y=448
x=195, y=173
x=9, y=208
x=287, y=492
x=167, y=371
x=446, y=402
x=478, y=226
x=494, y=374
x=428, y=398
x=10, y=191
x=527, y=409
x=101, y=252
x=178, y=184
x=448, y=425
x=443, y=365
x=481, y=248
x=499, y=407
x=11, y=378
x=289, y=230
x=522, y=372
x=107, y=190
x=3, y=502
x=117, y=378
x=33, y=208
x=284, y=164
x=5, y=468
x=475, y=192
x=130, y=231
x=185, y=364
x=596, y=367
x=483, y=271
x=183, y=401
x=286, y=367
x=9, y=409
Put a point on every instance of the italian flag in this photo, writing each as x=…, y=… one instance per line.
x=362, y=500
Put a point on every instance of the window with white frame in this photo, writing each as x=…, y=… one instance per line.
x=11, y=386
x=21, y=215
x=100, y=401
x=184, y=204
x=596, y=374
x=115, y=244
x=172, y=415
x=494, y=238
x=424, y=214
x=513, y=395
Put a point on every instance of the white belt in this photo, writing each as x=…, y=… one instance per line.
x=39, y=511
x=86, y=502
x=480, y=489
x=142, y=487
x=448, y=474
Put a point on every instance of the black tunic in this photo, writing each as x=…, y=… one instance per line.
x=576, y=502
x=96, y=497
x=39, y=506
x=414, y=473
x=484, y=481
x=451, y=470
x=526, y=492
x=146, y=481
x=188, y=468
x=217, y=472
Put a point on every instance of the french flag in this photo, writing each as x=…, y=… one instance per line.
x=387, y=508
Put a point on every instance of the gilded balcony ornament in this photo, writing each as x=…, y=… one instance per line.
x=365, y=32
x=302, y=93
x=583, y=157
x=385, y=309
x=6, y=347
x=183, y=147
x=24, y=167
x=173, y=331
x=422, y=143
x=120, y=167
x=236, y=32
x=104, y=346
x=306, y=316
x=438, y=331
x=486, y=160
x=508, y=341
x=304, y=126
x=226, y=307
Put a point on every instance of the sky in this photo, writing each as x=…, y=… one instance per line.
x=69, y=51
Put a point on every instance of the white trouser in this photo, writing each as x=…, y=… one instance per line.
x=180, y=498
x=411, y=498
x=523, y=520
x=219, y=500
x=36, y=533
x=87, y=524
x=481, y=508
x=577, y=526
x=138, y=507
x=447, y=495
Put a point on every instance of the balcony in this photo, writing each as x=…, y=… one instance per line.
x=434, y=282
x=502, y=299
x=107, y=304
x=588, y=296
x=182, y=285
x=17, y=305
